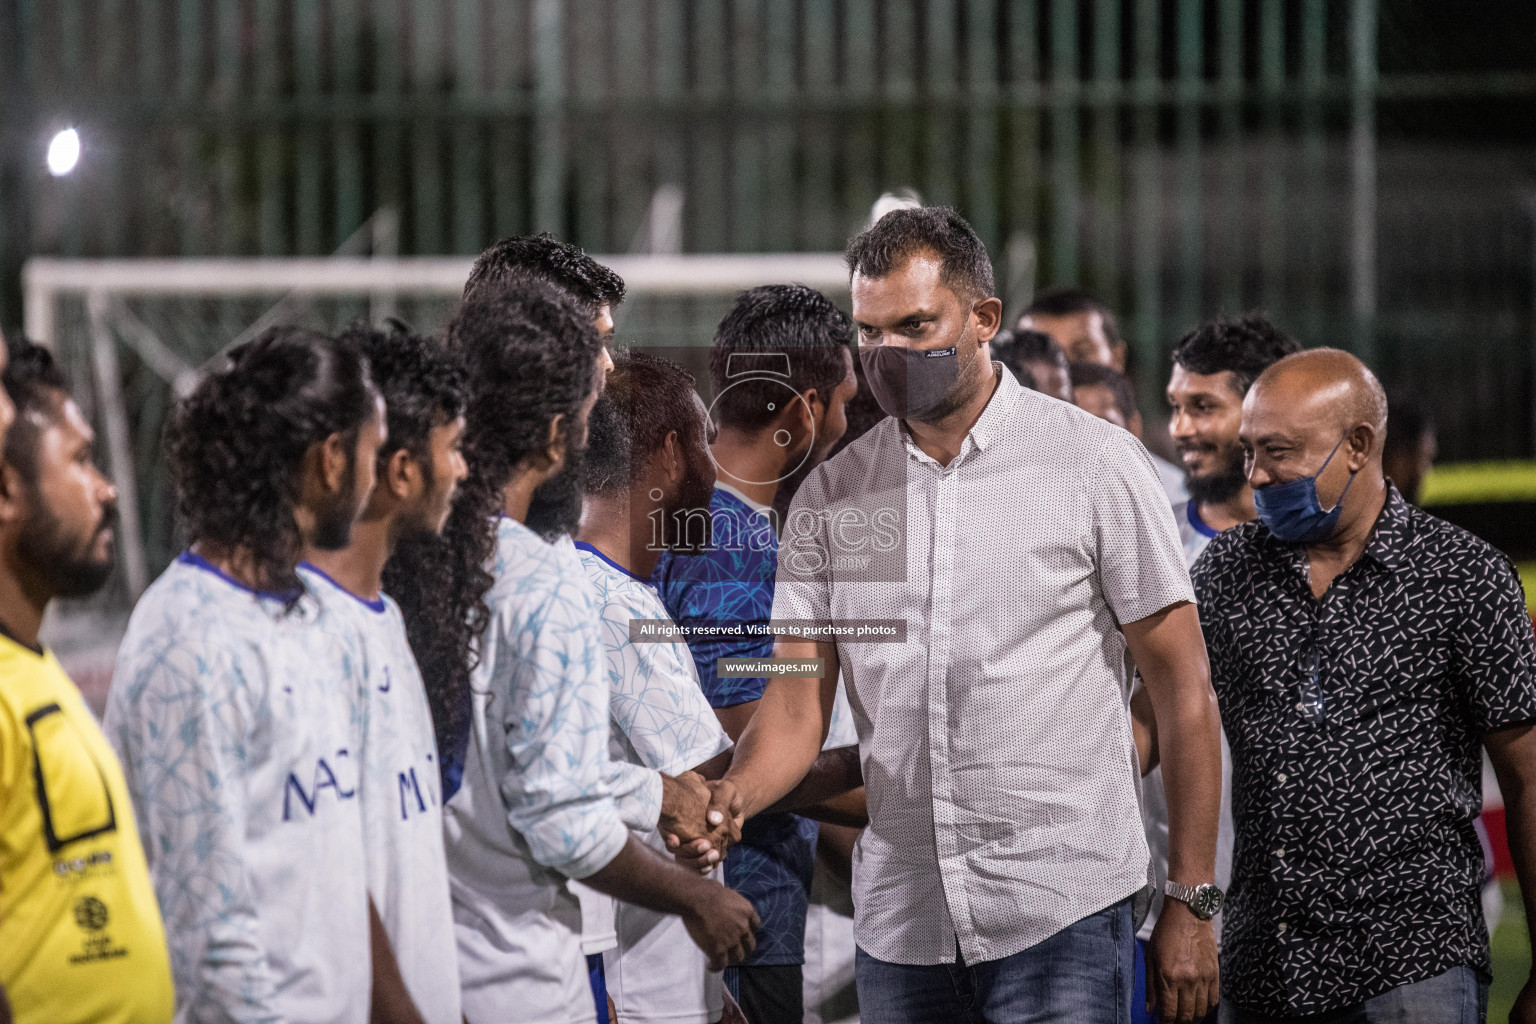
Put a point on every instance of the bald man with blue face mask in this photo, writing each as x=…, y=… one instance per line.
x=1364, y=653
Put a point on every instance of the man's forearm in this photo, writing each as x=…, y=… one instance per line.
x=1169, y=652
x=641, y=876
x=850, y=810
x=781, y=743
x=1520, y=828
x=779, y=746
x=834, y=773
x=1191, y=762
x=392, y=1002
x=1513, y=753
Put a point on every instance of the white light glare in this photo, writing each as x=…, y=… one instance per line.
x=63, y=152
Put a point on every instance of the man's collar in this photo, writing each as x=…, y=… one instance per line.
x=755, y=506
x=1393, y=532
x=1387, y=546
x=999, y=407
x=987, y=426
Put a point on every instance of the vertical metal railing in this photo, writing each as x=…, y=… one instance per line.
x=1177, y=156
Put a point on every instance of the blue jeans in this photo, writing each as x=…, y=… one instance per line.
x=1458, y=996
x=1080, y=975
x=1139, y=1014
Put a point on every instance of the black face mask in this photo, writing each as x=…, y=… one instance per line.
x=914, y=384
x=910, y=383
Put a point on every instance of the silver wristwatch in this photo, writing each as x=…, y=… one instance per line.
x=1204, y=901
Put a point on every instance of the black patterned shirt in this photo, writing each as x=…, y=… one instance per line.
x=1355, y=723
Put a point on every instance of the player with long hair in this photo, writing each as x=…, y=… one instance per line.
x=417, y=472
x=537, y=751
x=229, y=705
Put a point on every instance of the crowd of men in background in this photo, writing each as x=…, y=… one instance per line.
x=464, y=701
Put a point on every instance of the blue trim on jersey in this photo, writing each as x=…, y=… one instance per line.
x=1192, y=513
x=597, y=977
x=377, y=606
x=199, y=562
x=584, y=546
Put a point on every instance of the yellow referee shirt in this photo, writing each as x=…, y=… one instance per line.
x=80, y=932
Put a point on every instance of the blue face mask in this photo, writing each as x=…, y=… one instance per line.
x=1292, y=512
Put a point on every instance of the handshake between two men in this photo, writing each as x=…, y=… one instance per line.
x=702, y=814
x=702, y=818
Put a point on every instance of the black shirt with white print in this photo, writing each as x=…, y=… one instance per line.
x=1355, y=722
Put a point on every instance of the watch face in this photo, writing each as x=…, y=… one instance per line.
x=1207, y=902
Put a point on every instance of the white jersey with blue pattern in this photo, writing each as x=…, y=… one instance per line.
x=534, y=808
x=402, y=798
x=660, y=723
x=239, y=738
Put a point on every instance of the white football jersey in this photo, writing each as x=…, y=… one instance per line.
x=238, y=724
x=661, y=722
x=402, y=798
x=534, y=808
x=1194, y=532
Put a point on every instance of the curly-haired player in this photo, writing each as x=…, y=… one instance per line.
x=533, y=809
x=229, y=706
x=593, y=288
x=418, y=470
x=595, y=291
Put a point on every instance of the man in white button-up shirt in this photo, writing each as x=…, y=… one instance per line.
x=1029, y=548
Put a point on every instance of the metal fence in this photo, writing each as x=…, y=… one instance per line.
x=1177, y=156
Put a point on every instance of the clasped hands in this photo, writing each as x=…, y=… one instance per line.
x=700, y=820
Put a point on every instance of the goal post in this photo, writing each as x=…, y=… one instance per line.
x=130, y=334
x=45, y=280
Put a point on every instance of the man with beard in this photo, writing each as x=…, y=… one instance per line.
x=648, y=479
x=1213, y=367
x=230, y=706
x=537, y=805
x=595, y=291
x=415, y=975
x=1028, y=548
x=782, y=375
x=80, y=932
x=555, y=509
